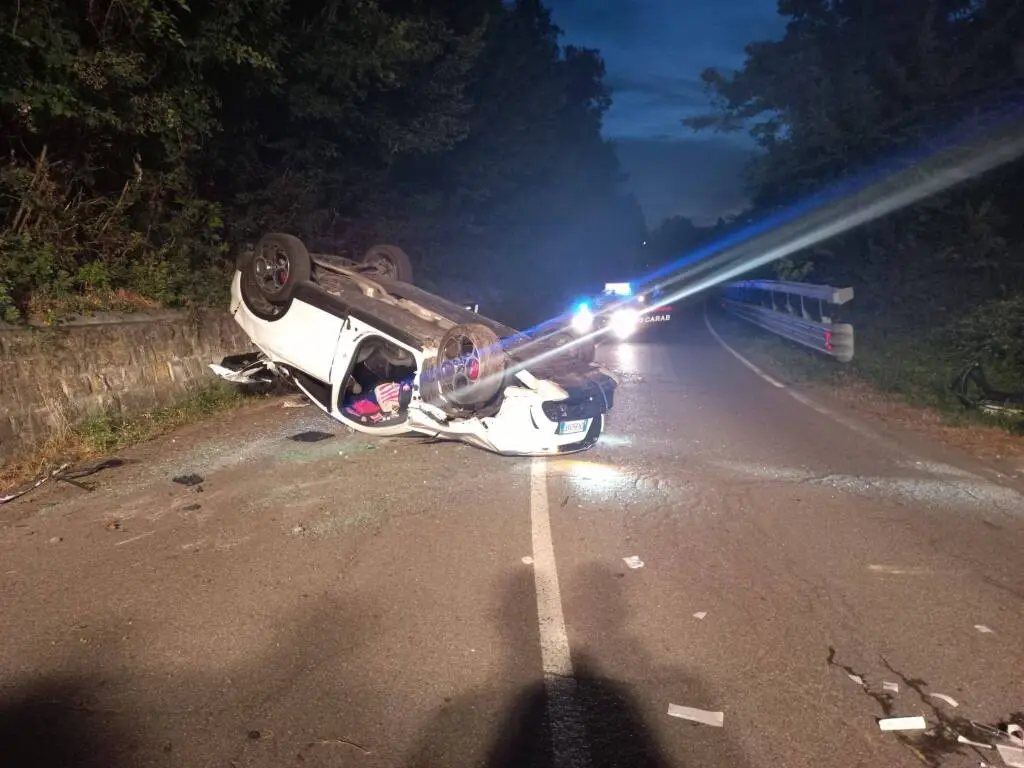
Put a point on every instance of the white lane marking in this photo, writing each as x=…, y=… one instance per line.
x=554, y=640
x=568, y=736
x=860, y=429
x=803, y=399
x=738, y=356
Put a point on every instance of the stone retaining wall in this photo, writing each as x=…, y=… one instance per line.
x=121, y=363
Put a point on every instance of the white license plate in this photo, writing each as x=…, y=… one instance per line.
x=656, y=319
x=573, y=427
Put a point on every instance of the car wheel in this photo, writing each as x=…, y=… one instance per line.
x=585, y=351
x=389, y=261
x=470, y=365
x=277, y=266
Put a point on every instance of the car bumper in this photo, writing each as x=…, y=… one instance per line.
x=542, y=444
x=528, y=425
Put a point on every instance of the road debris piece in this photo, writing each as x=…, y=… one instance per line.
x=528, y=560
x=916, y=723
x=856, y=678
x=633, y=562
x=294, y=402
x=703, y=716
x=188, y=480
x=64, y=473
x=983, y=629
x=889, y=687
x=980, y=745
x=336, y=742
x=313, y=436
x=700, y=614
x=1012, y=756
x=133, y=538
x=36, y=484
x=943, y=697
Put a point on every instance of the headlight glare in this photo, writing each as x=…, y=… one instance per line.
x=582, y=319
x=624, y=322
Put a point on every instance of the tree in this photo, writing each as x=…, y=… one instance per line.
x=855, y=83
x=534, y=196
x=149, y=139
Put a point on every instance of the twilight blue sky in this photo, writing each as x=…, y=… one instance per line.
x=654, y=51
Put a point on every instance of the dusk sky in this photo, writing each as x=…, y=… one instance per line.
x=654, y=51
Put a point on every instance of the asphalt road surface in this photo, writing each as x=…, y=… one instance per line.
x=351, y=602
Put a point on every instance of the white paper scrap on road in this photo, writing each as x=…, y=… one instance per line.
x=633, y=562
x=1012, y=756
x=943, y=697
x=700, y=614
x=983, y=629
x=528, y=560
x=916, y=723
x=703, y=716
x=856, y=678
x=891, y=687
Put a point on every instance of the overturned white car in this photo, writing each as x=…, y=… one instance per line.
x=387, y=358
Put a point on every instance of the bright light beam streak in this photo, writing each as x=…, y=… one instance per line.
x=941, y=172
x=935, y=175
x=963, y=137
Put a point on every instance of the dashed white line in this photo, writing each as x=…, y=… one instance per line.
x=568, y=734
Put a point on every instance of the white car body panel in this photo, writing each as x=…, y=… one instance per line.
x=306, y=337
x=321, y=345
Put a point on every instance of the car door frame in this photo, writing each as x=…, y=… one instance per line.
x=353, y=335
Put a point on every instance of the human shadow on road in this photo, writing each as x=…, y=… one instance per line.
x=616, y=722
x=281, y=704
x=614, y=732
x=45, y=725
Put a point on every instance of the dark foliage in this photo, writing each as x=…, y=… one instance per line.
x=144, y=141
x=855, y=83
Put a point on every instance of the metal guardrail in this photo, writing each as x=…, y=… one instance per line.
x=758, y=302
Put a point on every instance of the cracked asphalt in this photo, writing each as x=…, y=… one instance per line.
x=336, y=600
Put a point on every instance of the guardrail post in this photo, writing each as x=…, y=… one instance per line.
x=841, y=342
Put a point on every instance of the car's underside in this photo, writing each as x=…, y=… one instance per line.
x=384, y=355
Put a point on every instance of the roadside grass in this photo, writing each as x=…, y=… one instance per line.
x=49, y=310
x=888, y=368
x=100, y=433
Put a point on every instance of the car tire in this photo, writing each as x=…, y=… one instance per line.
x=585, y=351
x=470, y=366
x=391, y=262
x=277, y=266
